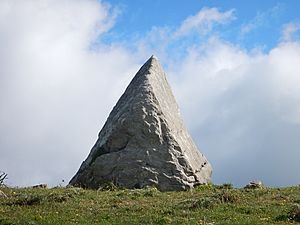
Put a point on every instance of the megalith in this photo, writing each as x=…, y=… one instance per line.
x=144, y=141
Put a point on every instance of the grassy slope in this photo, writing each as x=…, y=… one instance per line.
x=206, y=204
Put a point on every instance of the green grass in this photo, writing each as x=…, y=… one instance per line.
x=203, y=205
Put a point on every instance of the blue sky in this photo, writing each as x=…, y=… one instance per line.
x=264, y=19
x=234, y=68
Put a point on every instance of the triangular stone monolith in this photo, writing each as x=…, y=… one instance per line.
x=144, y=141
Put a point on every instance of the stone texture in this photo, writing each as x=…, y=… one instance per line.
x=255, y=184
x=144, y=141
x=40, y=186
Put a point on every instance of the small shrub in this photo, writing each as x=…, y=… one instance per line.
x=108, y=186
x=53, y=197
x=228, y=197
x=137, y=193
x=294, y=213
x=203, y=187
x=282, y=218
x=205, y=203
x=75, y=191
x=164, y=220
x=150, y=192
x=28, y=200
x=64, y=194
x=226, y=186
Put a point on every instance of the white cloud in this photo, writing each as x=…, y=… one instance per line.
x=204, y=21
x=52, y=85
x=261, y=19
x=243, y=110
x=288, y=31
x=256, y=22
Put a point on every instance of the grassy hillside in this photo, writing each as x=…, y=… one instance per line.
x=203, y=205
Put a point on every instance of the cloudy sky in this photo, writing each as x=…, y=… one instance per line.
x=234, y=68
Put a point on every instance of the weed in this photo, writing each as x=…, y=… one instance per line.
x=227, y=196
x=282, y=217
x=164, y=220
x=199, y=203
x=226, y=186
x=54, y=197
x=203, y=187
x=150, y=192
x=108, y=186
x=205, y=203
x=28, y=199
x=138, y=193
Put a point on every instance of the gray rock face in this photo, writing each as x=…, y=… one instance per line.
x=144, y=141
x=255, y=184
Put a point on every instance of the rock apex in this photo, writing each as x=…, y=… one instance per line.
x=154, y=57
